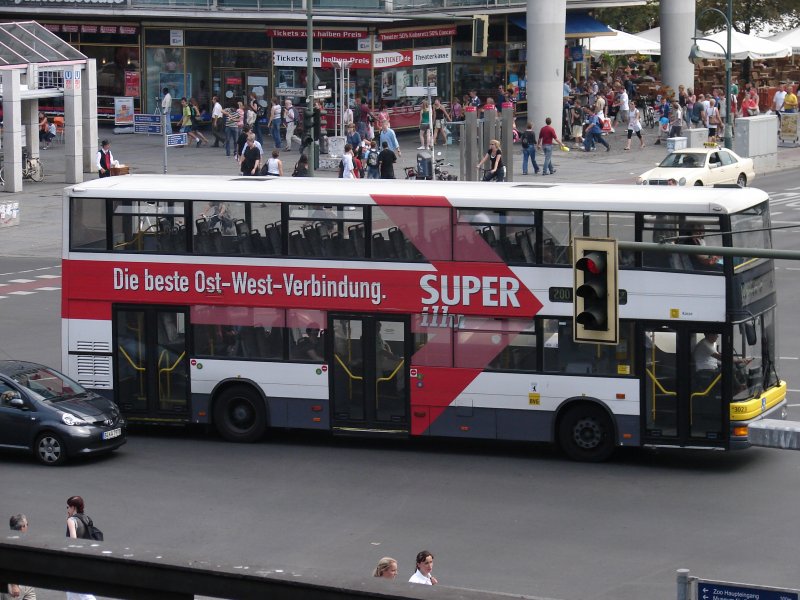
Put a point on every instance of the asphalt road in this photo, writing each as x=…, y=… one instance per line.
x=504, y=517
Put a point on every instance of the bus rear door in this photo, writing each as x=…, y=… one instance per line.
x=369, y=373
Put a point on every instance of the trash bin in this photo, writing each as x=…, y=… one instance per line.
x=676, y=143
x=424, y=165
x=323, y=145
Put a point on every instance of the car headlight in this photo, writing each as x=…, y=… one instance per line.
x=70, y=419
x=682, y=181
x=642, y=181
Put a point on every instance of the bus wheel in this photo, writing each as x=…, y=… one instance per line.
x=240, y=414
x=585, y=433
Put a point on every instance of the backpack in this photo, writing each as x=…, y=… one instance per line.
x=90, y=532
x=528, y=139
x=372, y=158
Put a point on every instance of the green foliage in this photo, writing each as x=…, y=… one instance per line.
x=632, y=20
x=751, y=16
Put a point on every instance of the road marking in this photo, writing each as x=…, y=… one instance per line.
x=47, y=289
x=792, y=405
x=20, y=281
x=48, y=276
x=22, y=293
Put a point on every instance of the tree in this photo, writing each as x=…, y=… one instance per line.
x=630, y=20
x=751, y=16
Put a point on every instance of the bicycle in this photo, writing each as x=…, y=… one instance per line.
x=32, y=169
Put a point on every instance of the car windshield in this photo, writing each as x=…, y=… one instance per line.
x=48, y=384
x=683, y=160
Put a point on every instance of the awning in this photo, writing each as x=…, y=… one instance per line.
x=578, y=25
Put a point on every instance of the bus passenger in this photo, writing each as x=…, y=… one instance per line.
x=701, y=261
x=424, y=567
x=311, y=346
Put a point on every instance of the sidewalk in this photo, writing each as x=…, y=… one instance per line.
x=39, y=231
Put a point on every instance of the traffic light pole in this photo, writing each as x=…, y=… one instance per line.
x=311, y=148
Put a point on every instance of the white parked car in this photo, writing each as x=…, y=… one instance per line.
x=700, y=166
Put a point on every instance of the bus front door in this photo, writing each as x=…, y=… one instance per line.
x=369, y=374
x=683, y=388
x=151, y=374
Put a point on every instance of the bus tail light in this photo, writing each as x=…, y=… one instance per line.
x=316, y=420
x=740, y=431
x=316, y=408
x=464, y=428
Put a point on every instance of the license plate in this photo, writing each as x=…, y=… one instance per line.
x=107, y=435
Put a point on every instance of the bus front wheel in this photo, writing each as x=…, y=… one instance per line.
x=240, y=414
x=586, y=433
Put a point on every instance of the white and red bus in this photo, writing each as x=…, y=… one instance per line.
x=410, y=308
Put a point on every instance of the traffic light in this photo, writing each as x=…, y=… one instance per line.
x=317, y=124
x=480, y=35
x=308, y=121
x=595, y=291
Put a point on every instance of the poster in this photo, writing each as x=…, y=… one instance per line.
x=123, y=110
x=431, y=82
x=403, y=78
x=387, y=84
x=788, y=132
x=175, y=83
x=286, y=78
x=418, y=76
x=132, y=83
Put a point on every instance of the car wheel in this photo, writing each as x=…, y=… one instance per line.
x=699, y=183
x=742, y=180
x=50, y=450
x=240, y=414
x=585, y=433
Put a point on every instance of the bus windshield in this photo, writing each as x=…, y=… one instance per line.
x=751, y=230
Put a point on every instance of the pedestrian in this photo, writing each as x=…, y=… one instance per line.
x=676, y=120
x=440, y=119
x=195, y=116
x=347, y=164
x=576, y=121
x=387, y=135
x=386, y=568
x=528, y=141
x=274, y=123
x=15, y=591
x=231, y=130
x=254, y=108
x=241, y=141
x=274, y=165
x=352, y=137
x=790, y=100
x=250, y=159
x=373, y=167
x=425, y=126
x=494, y=156
x=623, y=105
x=592, y=134
x=291, y=123
x=166, y=106
x=44, y=131
x=217, y=122
x=77, y=528
x=105, y=160
x=301, y=167
x=634, y=126
x=547, y=135
x=714, y=121
x=386, y=160
x=424, y=567
x=186, y=121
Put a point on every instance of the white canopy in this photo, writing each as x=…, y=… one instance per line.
x=791, y=37
x=623, y=44
x=742, y=47
x=654, y=34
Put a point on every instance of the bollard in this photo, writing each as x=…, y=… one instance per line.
x=469, y=145
x=684, y=585
x=507, y=139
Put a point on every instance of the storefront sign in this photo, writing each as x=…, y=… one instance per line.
x=108, y=29
x=176, y=37
x=416, y=34
x=291, y=92
x=288, y=58
x=401, y=58
x=123, y=111
x=88, y=28
x=93, y=2
x=576, y=53
x=74, y=28
x=126, y=30
x=69, y=28
x=432, y=56
x=331, y=34
x=132, y=83
x=357, y=61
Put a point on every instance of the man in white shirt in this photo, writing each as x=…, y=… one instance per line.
x=291, y=123
x=217, y=122
x=166, y=104
x=706, y=355
x=347, y=163
x=777, y=100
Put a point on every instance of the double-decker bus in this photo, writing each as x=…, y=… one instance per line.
x=425, y=308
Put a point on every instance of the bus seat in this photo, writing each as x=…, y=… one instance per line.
x=201, y=225
x=380, y=247
x=312, y=236
x=523, y=241
x=356, y=234
x=296, y=246
x=257, y=242
x=274, y=233
x=215, y=241
x=241, y=226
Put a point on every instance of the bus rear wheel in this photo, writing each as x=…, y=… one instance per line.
x=585, y=433
x=240, y=414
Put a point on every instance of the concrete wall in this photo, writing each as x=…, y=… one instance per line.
x=757, y=138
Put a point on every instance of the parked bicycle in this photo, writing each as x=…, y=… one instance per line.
x=439, y=174
x=32, y=168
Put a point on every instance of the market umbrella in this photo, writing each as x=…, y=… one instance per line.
x=623, y=44
x=791, y=37
x=742, y=47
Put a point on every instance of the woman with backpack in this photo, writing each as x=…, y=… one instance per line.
x=79, y=526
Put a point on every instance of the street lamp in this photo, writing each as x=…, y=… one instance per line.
x=694, y=55
x=309, y=82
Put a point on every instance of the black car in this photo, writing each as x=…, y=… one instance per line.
x=47, y=413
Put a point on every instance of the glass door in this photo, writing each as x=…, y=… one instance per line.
x=683, y=387
x=151, y=374
x=369, y=380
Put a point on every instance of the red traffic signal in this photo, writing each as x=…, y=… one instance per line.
x=595, y=300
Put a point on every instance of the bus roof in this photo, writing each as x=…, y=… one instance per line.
x=460, y=194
